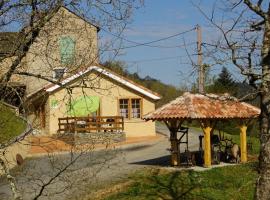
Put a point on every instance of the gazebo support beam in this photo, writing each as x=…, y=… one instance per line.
x=174, y=126
x=175, y=153
x=243, y=142
x=243, y=124
x=207, y=127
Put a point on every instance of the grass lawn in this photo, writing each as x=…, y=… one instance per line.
x=10, y=124
x=231, y=182
x=254, y=140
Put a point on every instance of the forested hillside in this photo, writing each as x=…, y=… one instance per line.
x=168, y=92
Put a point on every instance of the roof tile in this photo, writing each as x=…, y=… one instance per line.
x=199, y=106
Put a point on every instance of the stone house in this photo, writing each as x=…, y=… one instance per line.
x=66, y=50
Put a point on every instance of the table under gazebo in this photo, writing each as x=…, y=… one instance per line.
x=207, y=109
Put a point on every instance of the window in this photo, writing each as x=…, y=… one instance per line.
x=130, y=108
x=67, y=50
x=123, y=105
x=58, y=73
x=136, y=108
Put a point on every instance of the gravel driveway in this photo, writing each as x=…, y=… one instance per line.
x=90, y=169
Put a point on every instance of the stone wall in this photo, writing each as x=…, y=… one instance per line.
x=92, y=138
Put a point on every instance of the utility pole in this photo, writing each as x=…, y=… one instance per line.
x=200, y=64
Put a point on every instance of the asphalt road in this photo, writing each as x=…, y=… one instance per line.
x=91, y=169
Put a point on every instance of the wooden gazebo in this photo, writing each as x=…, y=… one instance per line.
x=207, y=109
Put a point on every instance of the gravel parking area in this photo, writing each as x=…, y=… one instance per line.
x=91, y=169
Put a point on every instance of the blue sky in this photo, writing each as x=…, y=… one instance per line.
x=158, y=19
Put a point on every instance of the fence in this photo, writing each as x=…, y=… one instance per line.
x=90, y=124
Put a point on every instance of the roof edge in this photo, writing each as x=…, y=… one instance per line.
x=108, y=73
x=74, y=13
x=131, y=81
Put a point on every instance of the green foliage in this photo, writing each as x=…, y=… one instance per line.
x=10, y=124
x=231, y=182
x=225, y=77
x=168, y=92
x=232, y=127
x=116, y=66
x=224, y=83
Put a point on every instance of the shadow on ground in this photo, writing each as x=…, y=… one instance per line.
x=186, y=160
x=160, y=161
x=138, y=147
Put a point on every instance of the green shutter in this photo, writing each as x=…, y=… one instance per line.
x=67, y=50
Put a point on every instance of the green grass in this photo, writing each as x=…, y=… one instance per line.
x=10, y=124
x=254, y=140
x=231, y=182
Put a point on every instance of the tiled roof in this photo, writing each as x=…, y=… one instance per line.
x=208, y=106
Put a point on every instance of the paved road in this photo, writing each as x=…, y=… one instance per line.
x=90, y=169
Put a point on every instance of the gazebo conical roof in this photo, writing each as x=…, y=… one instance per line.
x=204, y=106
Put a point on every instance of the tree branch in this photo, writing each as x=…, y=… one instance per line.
x=256, y=8
x=29, y=38
x=56, y=176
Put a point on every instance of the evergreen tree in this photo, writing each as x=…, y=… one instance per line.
x=224, y=83
x=225, y=78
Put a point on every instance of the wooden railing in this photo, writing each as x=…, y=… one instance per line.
x=91, y=124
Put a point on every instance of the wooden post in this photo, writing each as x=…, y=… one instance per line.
x=175, y=153
x=122, y=119
x=200, y=64
x=174, y=126
x=75, y=125
x=207, y=128
x=59, y=126
x=42, y=116
x=89, y=123
x=243, y=142
x=207, y=147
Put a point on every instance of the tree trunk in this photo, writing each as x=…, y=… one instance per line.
x=263, y=182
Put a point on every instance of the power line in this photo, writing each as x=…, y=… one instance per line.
x=171, y=47
x=157, y=59
x=150, y=42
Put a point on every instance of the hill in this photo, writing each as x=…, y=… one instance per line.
x=168, y=92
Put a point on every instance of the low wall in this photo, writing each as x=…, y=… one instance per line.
x=92, y=138
x=9, y=154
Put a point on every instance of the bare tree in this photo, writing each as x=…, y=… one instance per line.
x=245, y=40
x=29, y=58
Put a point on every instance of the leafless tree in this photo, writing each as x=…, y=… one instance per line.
x=34, y=19
x=244, y=41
